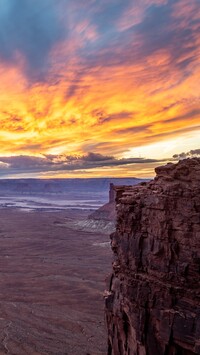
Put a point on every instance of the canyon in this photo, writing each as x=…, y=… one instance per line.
x=152, y=302
x=53, y=263
x=52, y=278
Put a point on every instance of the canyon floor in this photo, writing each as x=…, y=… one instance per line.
x=52, y=278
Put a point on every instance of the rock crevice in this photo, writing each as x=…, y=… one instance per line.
x=153, y=304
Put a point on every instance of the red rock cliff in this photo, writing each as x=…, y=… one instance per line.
x=153, y=304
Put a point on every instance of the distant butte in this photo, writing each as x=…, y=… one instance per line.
x=153, y=299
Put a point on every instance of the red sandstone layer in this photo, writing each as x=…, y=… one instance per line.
x=153, y=302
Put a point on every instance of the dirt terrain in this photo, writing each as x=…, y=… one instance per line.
x=52, y=277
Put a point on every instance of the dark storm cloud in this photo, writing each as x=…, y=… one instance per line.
x=30, y=164
x=31, y=28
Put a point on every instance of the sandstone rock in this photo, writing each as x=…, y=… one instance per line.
x=104, y=217
x=153, y=303
x=106, y=212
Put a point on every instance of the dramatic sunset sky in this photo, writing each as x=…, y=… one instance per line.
x=98, y=88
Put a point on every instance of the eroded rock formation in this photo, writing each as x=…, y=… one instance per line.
x=153, y=300
x=106, y=212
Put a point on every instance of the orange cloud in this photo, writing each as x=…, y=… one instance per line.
x=107, y=92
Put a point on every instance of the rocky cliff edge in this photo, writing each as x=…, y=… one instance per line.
x=153, y=297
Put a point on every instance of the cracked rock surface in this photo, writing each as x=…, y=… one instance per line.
x=153, y=298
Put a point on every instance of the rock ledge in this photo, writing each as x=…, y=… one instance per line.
x=153, y=298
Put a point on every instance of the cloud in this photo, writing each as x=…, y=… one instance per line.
x=135, y=129
x=29, y=164
x=76, y=164
x=30, y=29
x=192, y=153
x=92, y=157
x=112, y=76
x=186, y=116
x=156, y=32
x=102, y=117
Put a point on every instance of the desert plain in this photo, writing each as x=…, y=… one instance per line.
x=52, y=279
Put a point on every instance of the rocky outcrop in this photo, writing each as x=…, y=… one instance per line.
x=106, y=212
x=112, y=193
x=153, y=298
x=105, y=216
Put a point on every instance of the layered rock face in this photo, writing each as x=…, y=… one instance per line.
x=153, y=301
x=106, y=212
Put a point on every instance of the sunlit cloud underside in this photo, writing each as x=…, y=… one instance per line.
x=93, y=88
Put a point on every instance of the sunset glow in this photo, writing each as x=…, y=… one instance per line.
x=91, y=88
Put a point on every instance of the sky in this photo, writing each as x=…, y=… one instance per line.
x=98, y=88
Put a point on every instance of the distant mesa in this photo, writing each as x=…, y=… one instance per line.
x=60, y=186
x=59, y=194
